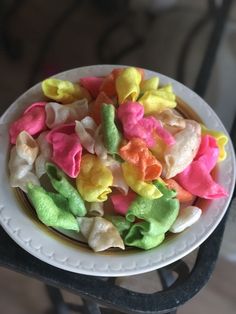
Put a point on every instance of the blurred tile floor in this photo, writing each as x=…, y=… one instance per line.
x=76, y=41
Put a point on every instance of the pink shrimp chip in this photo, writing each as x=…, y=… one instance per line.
x=33, y=121
x=67, y=149
x=122, y=202
x=208, y=152
x=196, y=178
x=135, y=125
x=92, y=84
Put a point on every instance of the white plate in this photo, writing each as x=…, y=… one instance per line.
x=70, y=255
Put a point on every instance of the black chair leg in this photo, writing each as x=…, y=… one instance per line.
x=59, y=306
x=91, y=307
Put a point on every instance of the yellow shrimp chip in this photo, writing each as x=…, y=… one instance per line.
x=63, y=91
x=149, y=84
x=155, y=101
x=127, y=85
x=132, y=177
x=94, y=179
x=221, y=140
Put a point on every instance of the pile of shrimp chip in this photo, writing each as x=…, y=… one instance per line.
x=124, y=167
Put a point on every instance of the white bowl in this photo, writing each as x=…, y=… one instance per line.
x=24, y=228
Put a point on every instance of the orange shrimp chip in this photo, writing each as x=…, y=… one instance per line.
x=95, y=108
x=137, y=153
x=109, y=84
x=182, y=195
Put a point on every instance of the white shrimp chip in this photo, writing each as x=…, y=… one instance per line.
x=85, y=129
x=186, y=218
x=89, y=124
x=117, y=173
x=171, y=120
x=96, y=209
x=57, y=114
x=99, y=148
x=20, y=171
x=26, y=147
x=100, y=233
x=45, y=154
x=18, y=166
x=179, y=156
